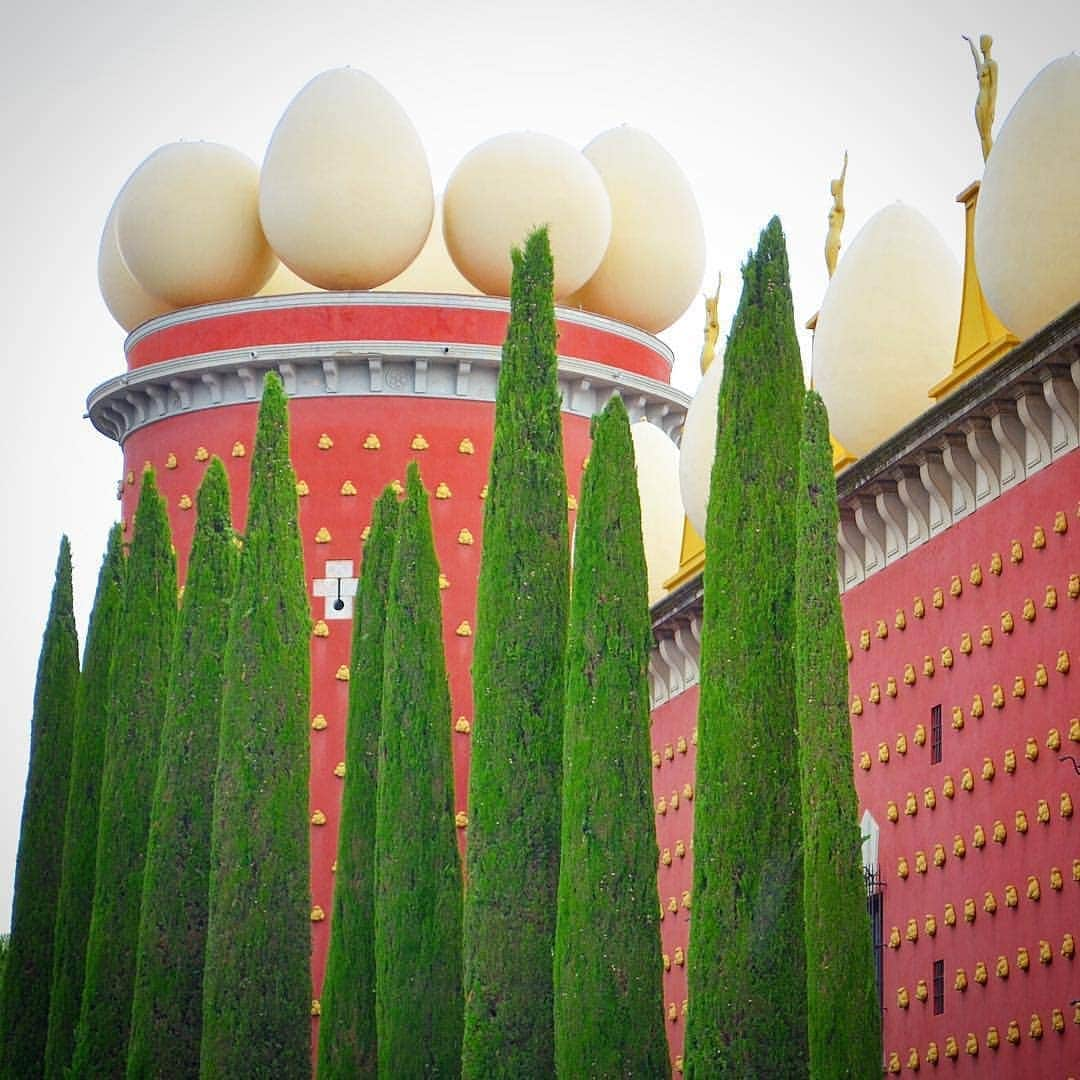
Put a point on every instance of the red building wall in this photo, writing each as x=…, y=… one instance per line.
x=1039, y=563
x=345, y=450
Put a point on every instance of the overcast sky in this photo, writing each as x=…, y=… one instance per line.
x=757, y=100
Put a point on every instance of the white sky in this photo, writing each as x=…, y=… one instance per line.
x=757, y=100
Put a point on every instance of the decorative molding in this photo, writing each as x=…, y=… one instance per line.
x=1003, y=426
x=675, y=660
x=361, y=368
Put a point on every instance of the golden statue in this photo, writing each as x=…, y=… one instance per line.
x=836, y=220
x=712, y=328
x=987, y=71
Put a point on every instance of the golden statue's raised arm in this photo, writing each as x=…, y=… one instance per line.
x=712, y=328
x=836, y=220
x=986, y=69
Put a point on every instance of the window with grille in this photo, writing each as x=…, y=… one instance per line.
x=935, y=735
x=939, y=987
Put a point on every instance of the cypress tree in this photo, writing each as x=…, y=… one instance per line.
x=418, y=1001
x=257, y=981
x=842, y=1011
x=140, y=680
x=166, y=1016
x=347, y=1035
x=81, y=821
x=515, y=787
x=24, y=1008
x=747, y=976
x=608, y=993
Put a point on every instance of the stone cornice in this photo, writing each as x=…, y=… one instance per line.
x=456, y=371
x=1002, y=426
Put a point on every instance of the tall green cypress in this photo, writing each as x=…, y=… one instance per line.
x=747, y=974
x=166, y=1015
x=515, y=787
x=140, y=683
x=608, y=987
x=81, y=821
x=842, y=1010
x=24, y=1003
x=418, y=1001
x=257, y=982
x=347, y=1035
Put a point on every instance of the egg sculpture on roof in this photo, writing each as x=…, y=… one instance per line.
x=699, y=446
x=1027, y=219
x=657, y=460
x=128, y=302
x=887, y=327
x=187, y=224
x=345, y=196
x=655, y=259
x=508, y=186
x=432, y=271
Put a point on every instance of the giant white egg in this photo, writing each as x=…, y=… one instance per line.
x=510, y=185
x=657, y=459
x=1027, y=220
x=886, y=331
x=698, y=448
x=187, y=224
x=432, y=271
x=655, y=259
x=345, y=196
x=128, y=302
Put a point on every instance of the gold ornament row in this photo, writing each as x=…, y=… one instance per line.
x=971, y=1045
x=956, y=584
x=1031, y=746
x=969, y=907
x=680, y=746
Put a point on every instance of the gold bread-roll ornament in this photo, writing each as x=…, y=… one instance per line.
x=1035, y=1028
x=977, y=707
x=1038, y=538
x=957, y=718
x=946, y=656
x=1000, y=833
x=928, y=666
x=901, y=744
x=892, y=812
x=1010, y=760
x=919, y=735
x=1008, y=624
x=1063, y=664
x=1057, y=879
x=930, y=925
x=1012, y=898
x=931, y=1053
x=996, y=565
x=302, y=489
x=959, y=847
x=918, y=607
x=1031, y=748
x=418, y=442
x=965, y=643
x=1050, y=600
x=875, y=693
x=1073, y=587
x=1061, y=522
x=972, y=1044
x=1012, y=1033
x=997, y=696
x=913, y=1059
x=325, y=442
x=1068, y=946
x=1053, y=739
x=960, y=983
x=939, y=855
x=912, y=932
x=1019, y=689
x=992, y=1038
x=1021, y=822
x=911, y=805
x=1034, y=891
x=937, y=598
x=865, y=762
x=909, y=674
x=1016, y=552
x=1028, y=611
x=920, y=862
x=371, y=442
x=990, y=903
x=951, y=1049
x=988, y=770
x=891, y=688
x=902, y=870
x=956, y=586
x=929, y=798
x=980, y=975
x=903, y=998
x=950, y=915
x=978, y=836
x=1042, y=812
x=1057, y=1020
x=969, y=909
x=948, y=787
x=1023, y=958
x=900, y=621
x=893, y=1067
x=881, y=630
x=967, y=779
x=883, y=753
x=1066, y=805
x=348, y=488
x=986, y=637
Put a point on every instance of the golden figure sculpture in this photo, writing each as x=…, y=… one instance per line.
x=712, y=328
x=986, y=69
x=837, y=213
